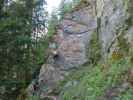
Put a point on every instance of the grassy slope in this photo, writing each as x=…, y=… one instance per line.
x=96, y=80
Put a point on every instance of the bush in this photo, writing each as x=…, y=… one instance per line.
x=94, y=49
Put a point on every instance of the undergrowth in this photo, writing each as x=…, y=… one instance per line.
x=97, y=79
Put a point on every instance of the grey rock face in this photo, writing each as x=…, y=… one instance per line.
x=77, y=28
x=49, y=74
x=113, y=15
x=72, y=38
x=73, y=51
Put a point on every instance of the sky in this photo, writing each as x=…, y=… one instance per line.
x=52, y=4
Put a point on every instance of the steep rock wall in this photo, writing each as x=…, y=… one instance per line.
x=112, y=15
x=106, y=17
x=76, y=29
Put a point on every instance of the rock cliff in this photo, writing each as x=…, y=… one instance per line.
x=109, y=19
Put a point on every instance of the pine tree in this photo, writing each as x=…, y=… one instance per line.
x=16, y=46
x=40, y=16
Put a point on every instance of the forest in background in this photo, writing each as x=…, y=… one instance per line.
x=25, y=29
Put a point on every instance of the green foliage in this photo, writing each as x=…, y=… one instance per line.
x=122, y=43
x=41, y=51
x=53, y=22
x=75, y=75
x=131, y=55
x=16, y=47
x=94, y=49
x=64, y=7
x=51, y=30
x=97, y=80
x=67, y=6
x=127, y=95
x=33, y=98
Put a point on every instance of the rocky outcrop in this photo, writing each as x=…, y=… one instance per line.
x=106, y=17
x=72, y=38
x=76, y=29
x=112, y=15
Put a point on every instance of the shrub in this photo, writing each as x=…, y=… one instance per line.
x=94, y=49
